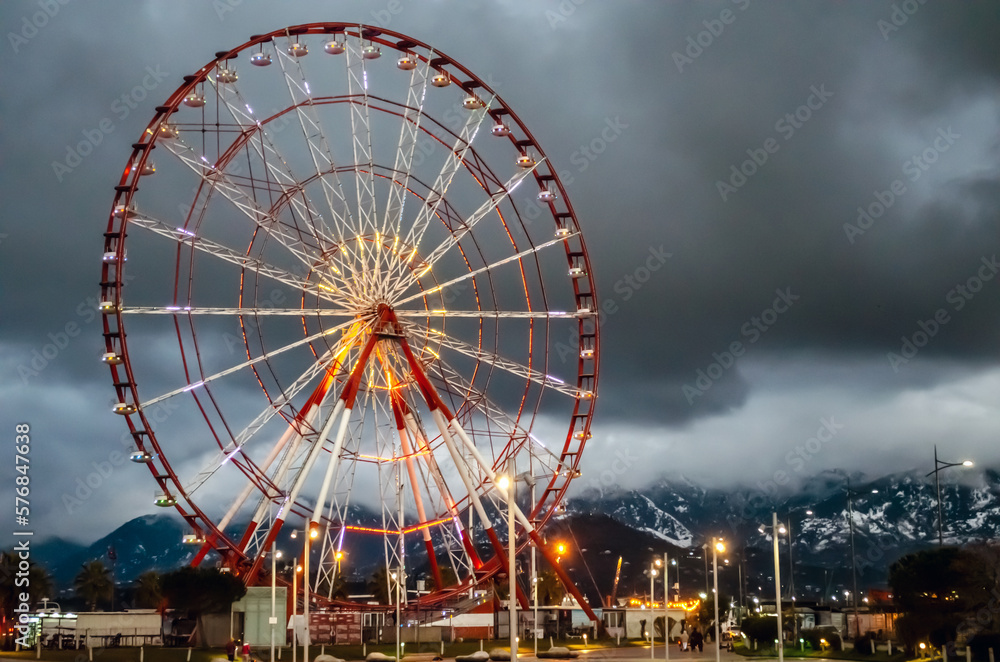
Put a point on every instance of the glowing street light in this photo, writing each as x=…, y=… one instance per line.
x=275, y=555
x=652, y=602
x=938, y=466
x=717, y=546
x=777, y=528
x=506, y=485
x=854, y=564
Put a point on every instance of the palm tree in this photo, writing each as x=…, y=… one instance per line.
x=94, y=583
x=147, y=590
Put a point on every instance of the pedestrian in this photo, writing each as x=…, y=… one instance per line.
x=697, y=640
x=246, y=651
x=684, y=640
x=231, y=650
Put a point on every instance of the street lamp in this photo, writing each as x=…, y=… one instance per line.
x=652, y=602
x=295, y=599
x=275, y=555
x=677, y=586
x=775, y=530
x=311, y=532
x=506, y=485
x=717, y=546
x=397, y=577
x=666, y=615
x=938, y=466
x=791, y=576
x=854, y=562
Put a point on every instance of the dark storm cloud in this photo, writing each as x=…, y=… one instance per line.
x=643, y=127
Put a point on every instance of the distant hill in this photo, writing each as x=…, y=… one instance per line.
x=672, y=516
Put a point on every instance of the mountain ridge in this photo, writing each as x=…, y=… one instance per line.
x=673, y=516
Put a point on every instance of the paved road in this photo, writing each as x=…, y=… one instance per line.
x=642, y=653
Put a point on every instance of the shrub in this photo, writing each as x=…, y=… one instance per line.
x=813, y=637
x=863, y=644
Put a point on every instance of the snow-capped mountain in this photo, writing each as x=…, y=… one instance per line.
x=675, y=517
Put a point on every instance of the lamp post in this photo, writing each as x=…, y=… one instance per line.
x=854, y=561
x=678, y=584
x=275, y=555
x=717, y=546
x=311, y=533
x=666, y=615
x=938, y=466
x=775, y=530
x=652, y=602
x=507, y=486
x=295, y=600
x=791, y=578
x=397, y=577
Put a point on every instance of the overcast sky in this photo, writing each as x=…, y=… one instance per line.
x=792, y=209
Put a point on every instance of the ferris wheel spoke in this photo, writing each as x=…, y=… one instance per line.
x=495, y=199
x=357, y=85
x=477, y=400
x=409, y=131
x=241, y=312
x=229, y=95
x=488, y=314
x=406, y=280
x=319, y=147
x=302, y=420
x=476, y=272
x=444, y=178
x=218, y=180
x=399, y=183
x=513, y=367
x=342, y=410
x=260, y=267
x=415, y=430
x=246, y=364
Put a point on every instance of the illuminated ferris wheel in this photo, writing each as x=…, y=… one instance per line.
x=348, y=296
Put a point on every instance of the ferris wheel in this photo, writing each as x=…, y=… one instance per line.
x=344, y=292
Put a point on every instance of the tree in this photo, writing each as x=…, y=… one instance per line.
x=448, y=576
x=941, y=590
x=93, y=583
x=378, y=586
x=148, y=592
x=761, y=629
x=550, y=589
x=199, y=591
